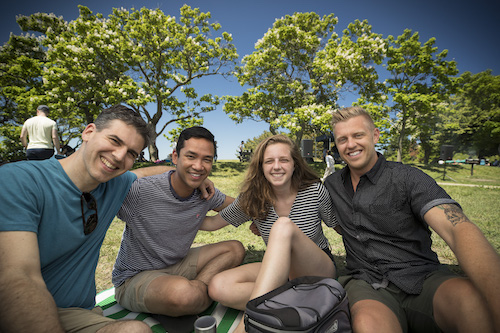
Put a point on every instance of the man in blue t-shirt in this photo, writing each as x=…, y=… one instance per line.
x=394, y=280
x=54, y=215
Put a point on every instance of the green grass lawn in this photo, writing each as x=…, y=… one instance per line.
x=480, y=203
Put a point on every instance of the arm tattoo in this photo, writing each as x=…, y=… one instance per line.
x=454, y=214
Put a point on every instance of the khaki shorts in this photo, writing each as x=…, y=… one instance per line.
x=83, y=320
x=414, y=312
x=131, y=294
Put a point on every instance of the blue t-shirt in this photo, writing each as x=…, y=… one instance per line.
x=39, y=196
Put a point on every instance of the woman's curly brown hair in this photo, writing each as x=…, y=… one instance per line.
x=257, y=195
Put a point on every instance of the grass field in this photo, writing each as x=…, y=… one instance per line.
x=480, y=203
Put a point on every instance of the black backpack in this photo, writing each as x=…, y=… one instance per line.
x=306, y=304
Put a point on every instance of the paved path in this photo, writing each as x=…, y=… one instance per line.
x=469, y=185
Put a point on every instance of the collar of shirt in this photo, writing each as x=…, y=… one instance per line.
x=373, y=175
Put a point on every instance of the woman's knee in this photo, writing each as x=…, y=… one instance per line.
x=283, y=227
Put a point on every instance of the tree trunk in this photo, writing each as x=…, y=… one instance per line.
x=153, y=151
x=400, y=146
x=427, y=153
x=426, y=147
x=153, y=148
x=402, y=135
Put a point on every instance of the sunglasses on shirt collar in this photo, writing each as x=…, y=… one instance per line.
x=90, y=224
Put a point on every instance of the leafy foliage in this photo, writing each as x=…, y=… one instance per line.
x=164, y=57
x=420, y=79
x=300, y=68
x=477, y=108
x=22, y=60
x=142, y=58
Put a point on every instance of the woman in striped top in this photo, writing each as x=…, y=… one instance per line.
x=286, y=202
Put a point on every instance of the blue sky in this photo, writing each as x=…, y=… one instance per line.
x=468, y=30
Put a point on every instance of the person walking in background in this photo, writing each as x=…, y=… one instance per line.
x=41, y=132
x=241, y=150
x=242, y=147
x=287, y=203
x=330, y=165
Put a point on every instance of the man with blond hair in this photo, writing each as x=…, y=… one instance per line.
x=394, y=281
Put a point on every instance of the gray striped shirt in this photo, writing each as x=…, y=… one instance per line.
x=160, y=226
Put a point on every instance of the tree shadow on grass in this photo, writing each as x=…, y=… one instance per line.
x=226, y=166
x=253, y=255
x=438, y=168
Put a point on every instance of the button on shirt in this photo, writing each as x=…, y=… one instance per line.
x=383, y=227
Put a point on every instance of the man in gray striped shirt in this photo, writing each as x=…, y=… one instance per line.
x=156, y=270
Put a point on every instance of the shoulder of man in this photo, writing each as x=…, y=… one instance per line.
x=402, y=167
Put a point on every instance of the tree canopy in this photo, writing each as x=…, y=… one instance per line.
x=420, y=78
x=142, y=58
x=300, y=68
x=473, y=114
x=299, y=72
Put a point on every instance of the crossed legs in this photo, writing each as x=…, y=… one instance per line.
x=176, y=295
x=289, y=254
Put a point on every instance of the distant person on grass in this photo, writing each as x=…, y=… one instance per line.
x=287, y=203
x=330, y=165
x=395, y=282
x=156, y=270
x=39, y=135
x=54, y=215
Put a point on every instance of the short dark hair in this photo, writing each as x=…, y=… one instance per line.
x=44, y=108
x=128, y=116
x=195, y=132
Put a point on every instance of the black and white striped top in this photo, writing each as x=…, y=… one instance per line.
x=160, y=225
x=311, y=206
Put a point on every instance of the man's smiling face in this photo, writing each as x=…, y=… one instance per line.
x=355, y=140
x=111, y=151
x=193, y=165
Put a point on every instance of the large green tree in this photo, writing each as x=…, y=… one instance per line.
x=142, y=58
x=22, y=60
x=84, y=71
x=299, y=70
x=165, y=56
x=420, y=78
x=475, y=109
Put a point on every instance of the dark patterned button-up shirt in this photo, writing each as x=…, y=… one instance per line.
x=383, y=227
